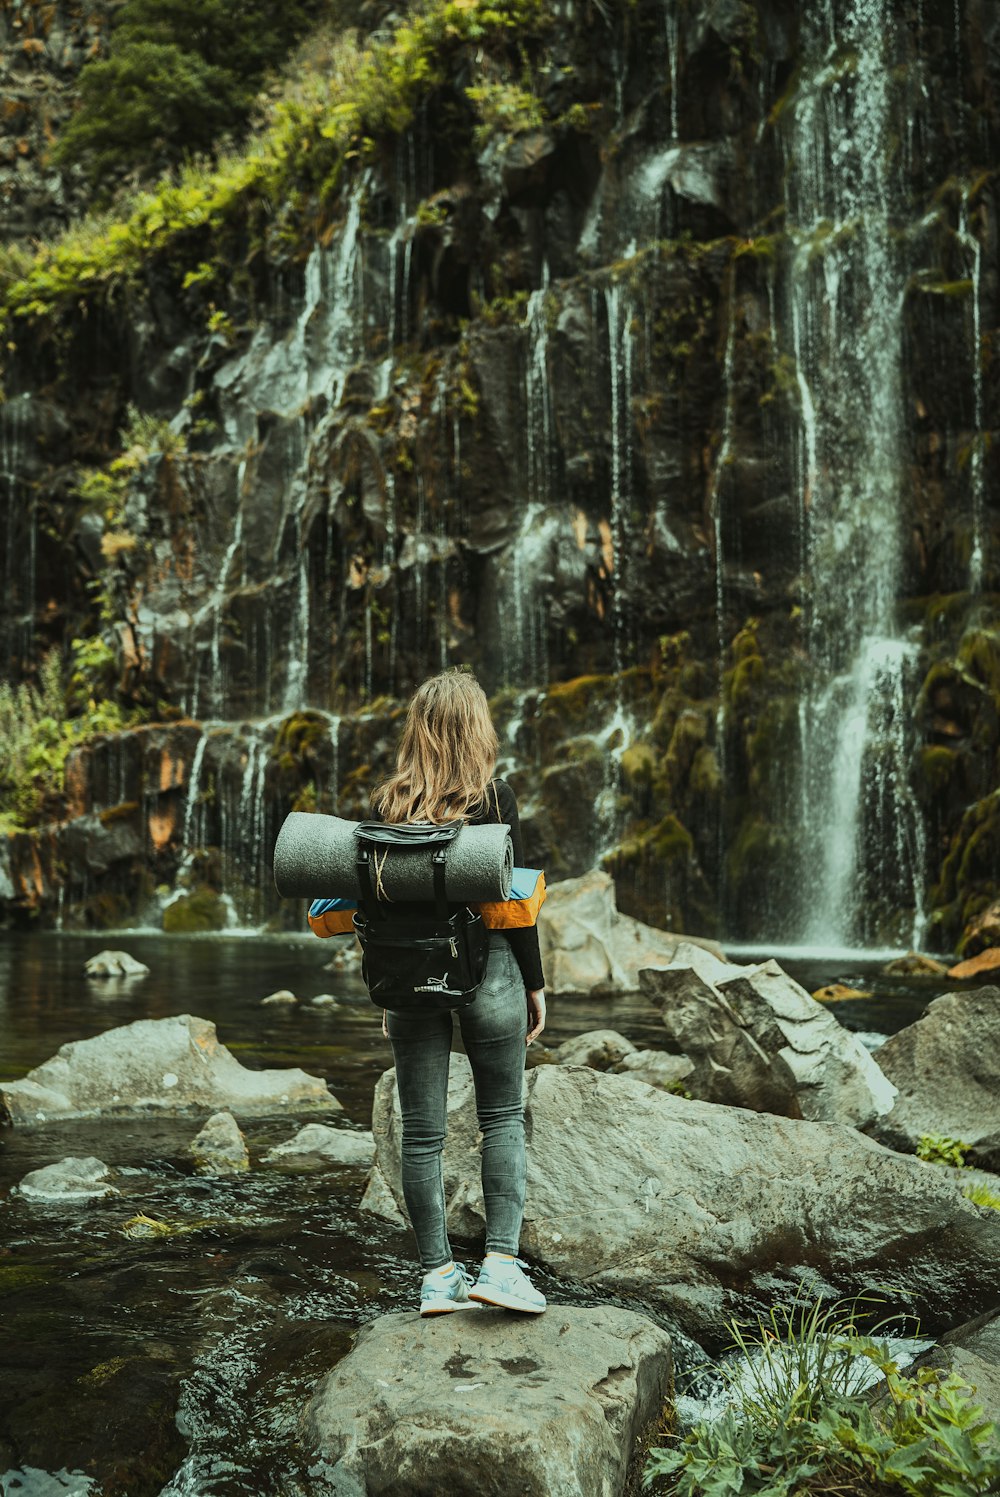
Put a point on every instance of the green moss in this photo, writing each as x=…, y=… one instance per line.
x=123, y=812
x=937, y=763
x=638, y=764
x=17, y=1276
x=705, y=777
x=103, y=1372
x=740, y=681
x=573, y=702
x=919, y=282
x=307, y=798
x=297, y=734
x=201, y=911
x=669, y=841
x=755, y=847
x=979, y=656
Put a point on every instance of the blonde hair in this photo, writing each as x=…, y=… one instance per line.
x=446, y=755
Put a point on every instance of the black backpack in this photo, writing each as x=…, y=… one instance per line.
x=416, y=962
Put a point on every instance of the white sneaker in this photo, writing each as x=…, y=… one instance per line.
x=503, y=1282
x=446, y=1289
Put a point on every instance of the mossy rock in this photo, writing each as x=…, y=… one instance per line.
x=744, y=644
x=744, y=676
x=772, y=746
x=203, y=910
x=573, y=702
x=671, y=704
x=122, y=812
x=979, y=656
x=297, y=734
x=668, y=841
x=705, y=777
x=638, y=764
x=756, y=846
x=937, y=763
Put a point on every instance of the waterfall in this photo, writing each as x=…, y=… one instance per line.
x=19, y=560
x=845, y=287
x=192, y=796
x=976, y=446
x=217, y=602
x=620, y=363
x=715, y=510
x=671, y=20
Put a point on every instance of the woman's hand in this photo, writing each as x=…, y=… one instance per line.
x=536, y=1015
x=385, y=1022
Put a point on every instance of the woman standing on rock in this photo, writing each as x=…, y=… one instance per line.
x=443, y=772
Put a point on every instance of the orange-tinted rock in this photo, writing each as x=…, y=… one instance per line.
x=838, y=992
x=975, y=966
x=162, y=825
x=171, y=771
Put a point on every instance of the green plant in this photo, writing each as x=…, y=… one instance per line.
x=178, y=74
x=934, y=1148
x=43, y=721
x=798, y=1423
x=981, y=1195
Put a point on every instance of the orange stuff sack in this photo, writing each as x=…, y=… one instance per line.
x=527, y=895
x=331, y=917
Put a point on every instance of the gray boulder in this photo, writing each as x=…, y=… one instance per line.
x=587, y=944
x=485, y=1404
x=114, y=964
x=600, y=1048
x=70, y=1179
x=946, y=1067
x=168, y=1066
x=715, y=1211
x=757, y=1039
x=219, y=1148
x=657, y=1068
x=318, y=1141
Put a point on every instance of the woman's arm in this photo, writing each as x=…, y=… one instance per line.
x=523, y=941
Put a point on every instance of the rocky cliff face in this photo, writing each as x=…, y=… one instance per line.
x=651, y=370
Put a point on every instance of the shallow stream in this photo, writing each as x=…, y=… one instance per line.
x=178, y=1366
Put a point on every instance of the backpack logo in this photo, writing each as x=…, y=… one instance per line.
x=434, y=985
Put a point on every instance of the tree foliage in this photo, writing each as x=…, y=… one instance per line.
x=179, y=74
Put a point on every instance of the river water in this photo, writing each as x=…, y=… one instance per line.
x=178, y=1366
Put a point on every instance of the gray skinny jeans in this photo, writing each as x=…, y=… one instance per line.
x=493, y=1031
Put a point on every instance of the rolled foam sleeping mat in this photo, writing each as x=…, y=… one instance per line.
x=315, y=857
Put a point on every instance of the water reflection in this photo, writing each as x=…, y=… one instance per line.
x=178, y=1366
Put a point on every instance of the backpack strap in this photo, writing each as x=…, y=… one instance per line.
x=375, y=900
x=439, y=859
x=496, y=800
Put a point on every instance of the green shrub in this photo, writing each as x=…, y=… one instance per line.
x=799, y=1425
x=42, y=721
x=934, y=1148
x=179, y=74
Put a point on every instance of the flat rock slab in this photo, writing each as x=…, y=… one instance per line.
x=490, y=1404
x=173, y=1066
x=713, y=1211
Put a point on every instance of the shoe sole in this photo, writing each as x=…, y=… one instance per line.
x=504, y=1301
x=448, y=1309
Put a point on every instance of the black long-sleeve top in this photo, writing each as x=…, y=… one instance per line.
x=501, y=805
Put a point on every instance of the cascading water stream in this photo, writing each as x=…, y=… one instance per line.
x=845, y=287
x=619, y=321
x=976, y=474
